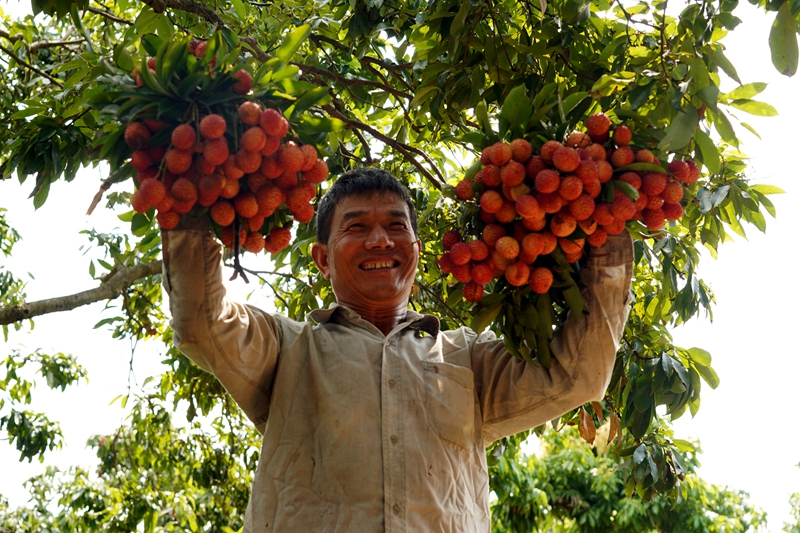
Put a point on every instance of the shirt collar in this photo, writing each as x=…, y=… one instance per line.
x=341, y=313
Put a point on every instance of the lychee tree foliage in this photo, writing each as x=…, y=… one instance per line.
x=419, y=89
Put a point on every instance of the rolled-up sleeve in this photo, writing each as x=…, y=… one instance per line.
x=237, y=343
x=515, y=395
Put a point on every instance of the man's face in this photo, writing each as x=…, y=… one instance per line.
x=372, y=253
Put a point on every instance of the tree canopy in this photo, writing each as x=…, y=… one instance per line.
x=418, y=88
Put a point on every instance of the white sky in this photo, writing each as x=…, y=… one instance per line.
x=747, y=427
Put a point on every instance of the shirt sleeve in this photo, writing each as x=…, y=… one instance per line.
x=237, y=343
x=515, y=396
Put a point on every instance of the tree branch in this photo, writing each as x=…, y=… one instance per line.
x=351, y=81
x=50, y=44
x=109, y=16
x=31, y=67
x=110, y=289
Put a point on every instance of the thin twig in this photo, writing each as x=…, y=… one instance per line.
x=51, y=44
x=109, y=16
x=31, y=67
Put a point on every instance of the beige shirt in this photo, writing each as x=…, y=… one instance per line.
x=369, y=433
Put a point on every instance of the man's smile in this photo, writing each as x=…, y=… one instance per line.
x=374, y=265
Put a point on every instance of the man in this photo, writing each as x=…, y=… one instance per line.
x=374, y=419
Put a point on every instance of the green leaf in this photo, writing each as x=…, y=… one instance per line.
x=458, y=21
x=783, y=41
x=291, y=44
x=680, y=131
x=708, y=150
x=318, y=96
x=699, y=356
x=709, y=376
x=484, y=317
x=151, y=43
x=767, y=189
x=726, y=66
x=517, y=108
x=627, y=189
x=238, y=6
x=744, y=92
x=122, y=58
x=704, y=197
x=320, y=125
x=754, y=107
x=683, y=445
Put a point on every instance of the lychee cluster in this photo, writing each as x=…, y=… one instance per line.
x=567, y=196
x=243, y=180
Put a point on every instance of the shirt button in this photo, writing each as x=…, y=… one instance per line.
x=396, y=509
x=391, y=383
x=393, y=439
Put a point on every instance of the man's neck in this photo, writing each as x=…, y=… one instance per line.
x=383, y=319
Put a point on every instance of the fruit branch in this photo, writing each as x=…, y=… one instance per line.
x=351, y=81
x=110, y=289
x=13, y=38
x=403, y=148
x=109, y=16
x=30, y=67
x=51, y=44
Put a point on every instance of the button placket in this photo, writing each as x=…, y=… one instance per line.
x=393, y=451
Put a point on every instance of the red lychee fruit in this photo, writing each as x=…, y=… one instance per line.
x=183, y=137
x=230, y=189
x=631, y=178
x=532, y=244
x=694, y=172
x=604, y=171
x=512, y=173
x=491, y=176
x=271, y=145
x=304, y=214
x=517, y=274
x=672, y=211
x=168, y=220
x=245, y=204
x=486, y=155
x=597, y=238
x=587, y=171
x=254, y=242
x=602, y=214
x=588, y=225
x=152, y=191
x=464, y=190
x=528, y=207
x=653, y=183
x=460, y=253
x=256, y=180
x=309, y=156
x=566, y=159
x=248, y=161
x=156, y=152
x=472, y=291
x=507, y=213
x=178, y=161
x=249, y=113
x=521, y=150
x=645, y=156
x=138, y=203
x=279, y=238
x=653, y=218
x=492, y=233
x=534, y=165
x=622, y=156
x=654, y=202
x=615, y=228
x=199, y=49
x=491, y=201
x=274, y=123
x=244, y=83
x=482, y=273
x=571, y=247
x=216, y=152
x=137, y=135
x=549, y=148
x=679, y=169
x=155, y=125
x=582, y=207
x=140, y=160
x=226, y=236
x=446, y=263
x=182, y=206
x=286, y=181
x=223, y=213
x=640, y=202
x=253, y=140
x=462, y=273
x=622, y=207
x=212, y=126
x=290, y=157
x=184, y=190
x=547, y=181
x=549, y=202
x=231, y=170
x=507, y=247
x=672, y=193
x=570, y=188
x=318, y=173
x=541, y=280
x=598, y=124
x=622, y=135
x=501, y=154
x=596, y=152
x=208, y=189
x=269, y=198
x=166, y=203
x=563, y=224
x=578, y=139
x=593, y=189
x=478, y=250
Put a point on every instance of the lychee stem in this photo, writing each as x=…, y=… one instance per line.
x=237, y=267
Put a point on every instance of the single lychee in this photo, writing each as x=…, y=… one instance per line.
x=230, y=189
x=507, y=247
x=166, y=203
x=152, y=192
x=679, y=169
x=156, y=152
x=566, y=159
x=304, y=214
x=182, y=206
x=223, y=213
x=521, y=150
x=512, y=173
x=548, y=149
x=249, y=113
x=672, y=211
x=491, y=176
x=460, y=253
x=492, y=233
x=286, y=181
x=491, y=201
x=464, y=190
x=245, y=204
x=578, y=139
x=208, y=189
x=622, y=156
x=318, y=173
x=309, y=156
x=653, y=183
x=604, y=171
x=137, y=135
x=253, y=140
x=212, y=126
x=507, y=213
x=672, y=193
x=563, y=224
x=550, y=202
x=462, y=273
x=478, y=250
x=501, y=154
x=155, y=125
x=694, y=172
x=597, y=152
x=571, y=246
x=290, y=157
x=178, y=161
x=139, y=204
x=183, y=137
x=472, y=291
x=517, y=274
x=622, y=135
x=645, y=156
x=244, y=83
x=482, y=273
x=278, y=239
x=598, y=124
x=528, y=207
x=588, y=226
x=622, y=207
x=271, y=145
x=541, y=280
x=274, y=123
x=593, y=189
x=270, y=167
x=486, y=155
x=231, y=170
x=534, y=165
x=256, y=180
x=631, y=178
x=226, y=236
x=184, y=190
x=446, y=263
x=616, y=227
x=570, y=188
x=547, y=181
x=216, y=152
x=269, y=198
x=654, y=202
x=582, y=207
x=248, y=161
x=168, y=220
x=140, y=160
x=587, y=171
x=653, y=218
x=598, y=238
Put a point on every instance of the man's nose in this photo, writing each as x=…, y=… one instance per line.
x=378, y=238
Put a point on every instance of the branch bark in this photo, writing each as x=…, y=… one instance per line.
x=31, y=67
x=110, y=289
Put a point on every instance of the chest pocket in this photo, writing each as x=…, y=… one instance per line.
x=450, y=402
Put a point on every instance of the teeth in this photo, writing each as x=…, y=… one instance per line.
x=373, y=266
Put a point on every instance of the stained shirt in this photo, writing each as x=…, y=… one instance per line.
x=365, y=432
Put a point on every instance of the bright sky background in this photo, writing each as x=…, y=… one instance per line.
x=747, y=427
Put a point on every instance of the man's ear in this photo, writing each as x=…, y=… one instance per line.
x=319, y=252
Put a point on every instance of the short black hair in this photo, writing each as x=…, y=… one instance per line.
x=354, y=183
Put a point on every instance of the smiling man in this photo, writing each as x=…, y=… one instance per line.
x=373, y=418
